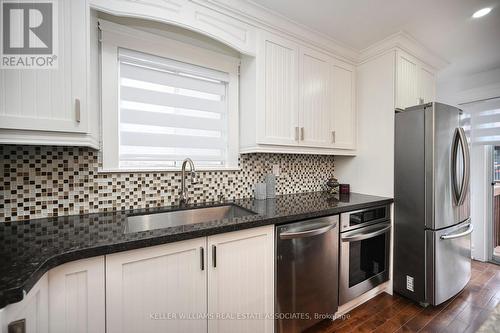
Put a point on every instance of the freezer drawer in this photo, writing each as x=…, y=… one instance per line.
x=448, y=261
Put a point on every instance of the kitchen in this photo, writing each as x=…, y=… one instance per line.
x=232, y=166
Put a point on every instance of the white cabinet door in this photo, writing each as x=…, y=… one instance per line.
x=277, y=115
x=49, y=99
x=407, y=87
x=77, y=297
x=344, y=105
x=315, y=110
x=33, y=309
x=151, y=289
x=427, y=84
x=241, y=280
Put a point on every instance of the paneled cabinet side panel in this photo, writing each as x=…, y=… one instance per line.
x=145, y=286
x=241, y=280
x=77, y=297
x=344, y=105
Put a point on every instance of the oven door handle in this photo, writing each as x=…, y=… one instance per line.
x=362, y=236
x=307, y=233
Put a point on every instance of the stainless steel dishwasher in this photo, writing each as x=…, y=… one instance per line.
x=307, y=255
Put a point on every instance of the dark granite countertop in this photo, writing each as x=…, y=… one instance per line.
x=28, y=249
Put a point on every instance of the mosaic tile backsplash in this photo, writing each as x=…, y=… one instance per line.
x=44, y=181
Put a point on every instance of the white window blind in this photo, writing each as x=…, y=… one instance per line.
x=170, y=110
x=484, y=121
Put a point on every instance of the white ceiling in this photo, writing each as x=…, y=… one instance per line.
x=444, y=26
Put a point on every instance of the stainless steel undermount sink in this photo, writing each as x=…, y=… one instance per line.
x=137, y=223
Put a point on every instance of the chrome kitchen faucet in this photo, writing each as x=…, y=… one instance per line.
x=184, y=199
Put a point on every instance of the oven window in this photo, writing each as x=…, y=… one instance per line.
x=367, y=216
x=366, y=259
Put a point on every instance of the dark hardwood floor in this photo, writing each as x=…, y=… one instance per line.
x=464, y=313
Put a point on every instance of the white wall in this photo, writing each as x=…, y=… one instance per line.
x=372, y=170
x=469, y=88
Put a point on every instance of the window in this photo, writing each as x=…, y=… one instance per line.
x=484, y=121
x=164, y=101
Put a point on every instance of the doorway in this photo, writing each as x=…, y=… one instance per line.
x=496, y=204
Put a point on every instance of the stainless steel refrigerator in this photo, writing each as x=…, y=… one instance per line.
x=432, y=226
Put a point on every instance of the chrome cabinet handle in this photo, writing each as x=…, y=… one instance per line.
x=17, y=326
x=469, y=230
x=297, y=133
x=307, y=233
x=77, y=110
x=333, y=136
x=202, y=258
x=302, y=133
x=362, y=236
x=214, y=256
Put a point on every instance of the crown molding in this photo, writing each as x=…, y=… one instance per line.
x=264, y=18
x=404, y=41
x=479, y=94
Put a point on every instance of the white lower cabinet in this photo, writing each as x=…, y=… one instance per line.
x=174, y=288
x=77, y=297
x=217, y=284
x=32, y=310
x=68, y=298
x=147, y=290
x=241, y=281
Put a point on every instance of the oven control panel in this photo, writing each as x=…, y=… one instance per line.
x=364, y=217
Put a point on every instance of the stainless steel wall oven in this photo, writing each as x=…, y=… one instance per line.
x=364, y=251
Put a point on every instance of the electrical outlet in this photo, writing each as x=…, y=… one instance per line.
x=409, y=283
x=276, y=170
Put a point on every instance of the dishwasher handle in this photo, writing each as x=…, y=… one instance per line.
x=308, y=233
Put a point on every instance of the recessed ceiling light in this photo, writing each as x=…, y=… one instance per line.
x=481, y=12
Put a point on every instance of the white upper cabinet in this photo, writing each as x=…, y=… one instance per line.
x=144, y=286
x=241, y=280
x=300, y=100
x=415, y=82
x=51, y=99
x=77, y=297
x=315, y=111
x=277, y=86
x=427, y=84
x=343, y=78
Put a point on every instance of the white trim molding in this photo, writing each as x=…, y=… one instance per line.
x=407, y=43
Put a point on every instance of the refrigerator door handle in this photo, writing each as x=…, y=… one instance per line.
x=469, y=230
x=466, y=153
x=460, y=190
